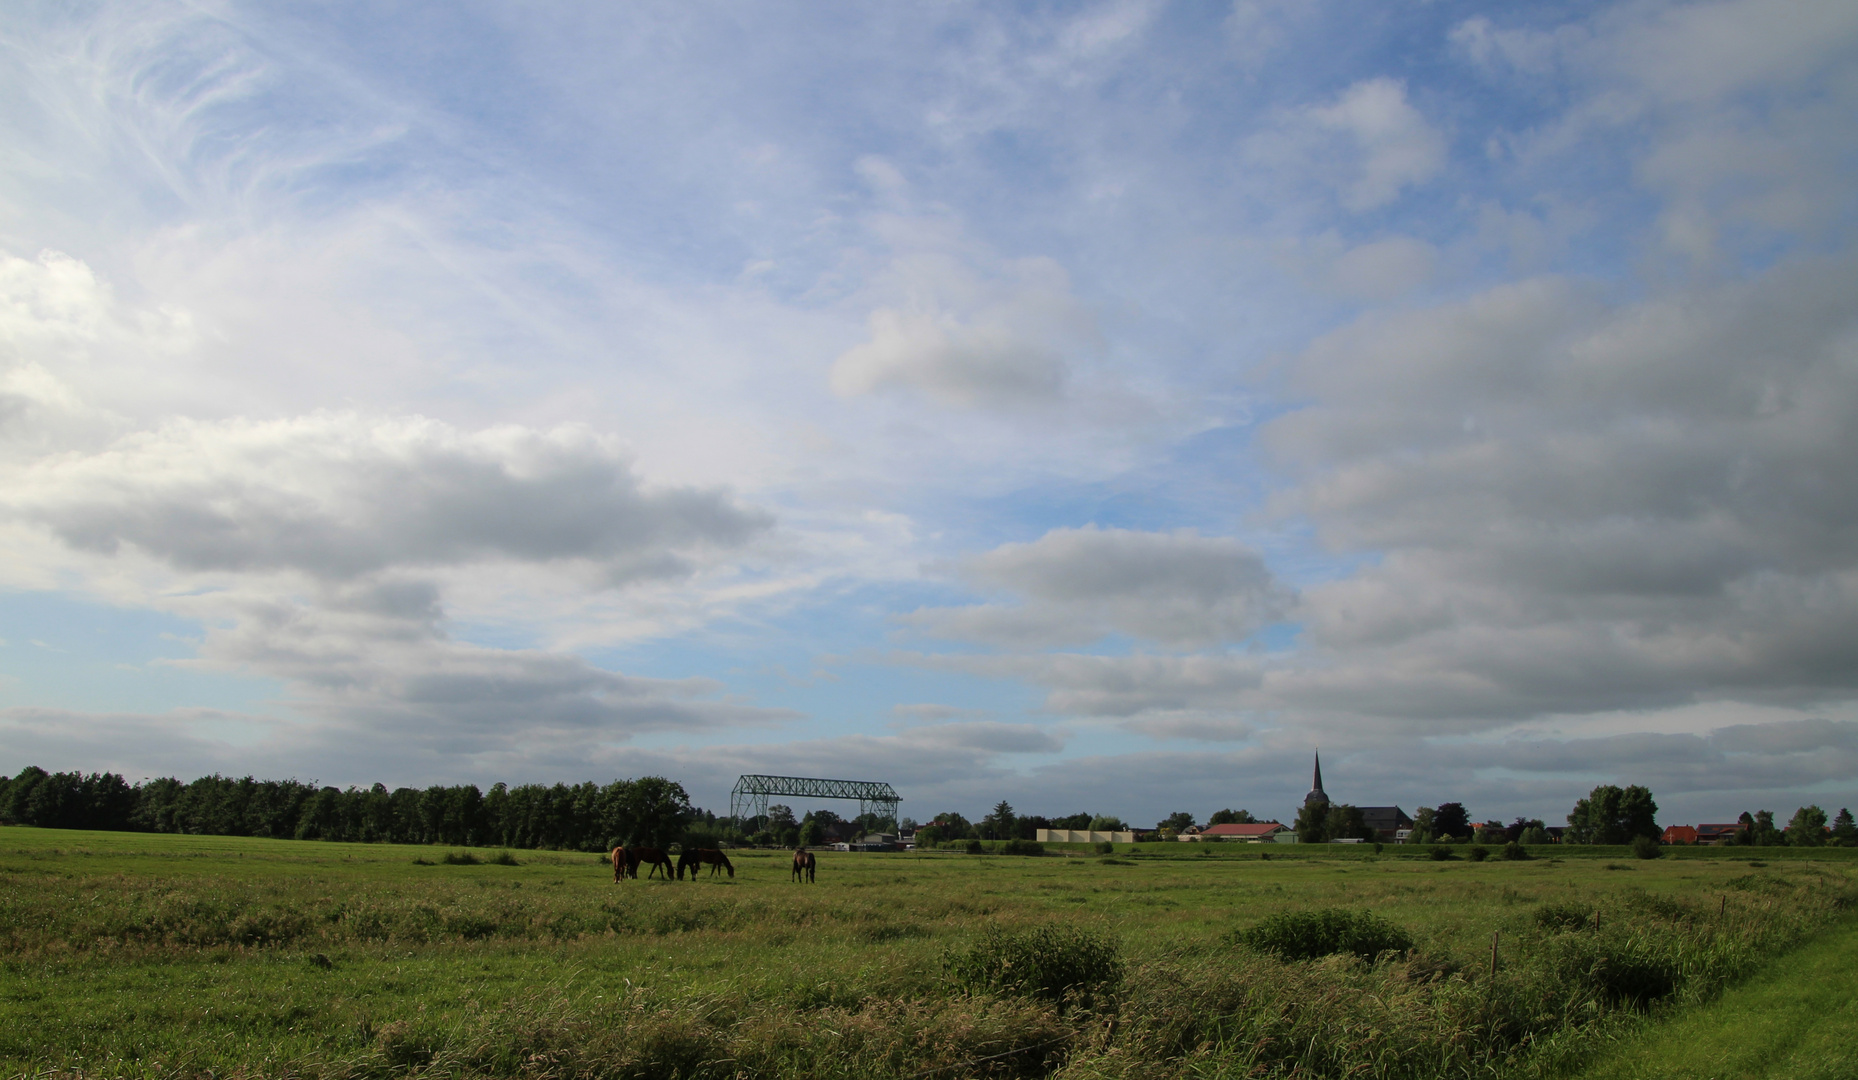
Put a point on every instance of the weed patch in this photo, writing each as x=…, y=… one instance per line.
x=1059, y=964
x=1307, y=935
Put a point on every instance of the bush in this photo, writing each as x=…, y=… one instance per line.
x=1104, y=847
x=459, y=858
x=1478, y=853
x=1022, y=847
x=1646, y=847
x=1377, y=847
x=1060, y=964
x=1306, y=935
x=1440, y=853
x=1633, y=972
x=1563, y=916
x=503, y=858
x=974, y=848
x=1515, y=852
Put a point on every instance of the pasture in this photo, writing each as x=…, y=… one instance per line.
x=144, y=955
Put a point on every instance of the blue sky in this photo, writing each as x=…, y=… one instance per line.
x=1091, y=406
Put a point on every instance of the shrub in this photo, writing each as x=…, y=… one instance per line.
x=1646, y=847
x=1104, y=847
x=1064, y=965
x=459, y=858
x=1515, y=852
x=1563, y=916
x=1377, y=847
x=503, y=858
x=1478, y=853
x=1631, y=971
x=1306, y=935
x=1440, y=853
x=1022, y=847
x=974, y=848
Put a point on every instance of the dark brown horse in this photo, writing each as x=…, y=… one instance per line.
x=695, y=857
x=803, y=865
x=656, y=856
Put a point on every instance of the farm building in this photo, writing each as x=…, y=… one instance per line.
x=1680, y=834
x=1083, y=836
x=1718, y=834
x=1255, y=833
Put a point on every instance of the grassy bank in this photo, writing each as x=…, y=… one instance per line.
x=128, y=954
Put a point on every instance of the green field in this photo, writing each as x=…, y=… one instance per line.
x=135, y=954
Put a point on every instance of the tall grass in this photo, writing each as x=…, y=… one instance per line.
x=891, y=967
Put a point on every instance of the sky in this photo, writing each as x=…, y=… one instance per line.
x=1099, y=407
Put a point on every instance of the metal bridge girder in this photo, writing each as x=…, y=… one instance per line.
x=752, y=791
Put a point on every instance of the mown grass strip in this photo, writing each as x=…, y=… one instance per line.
x=1796, y=1020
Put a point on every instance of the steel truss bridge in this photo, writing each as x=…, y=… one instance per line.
x=749, y=797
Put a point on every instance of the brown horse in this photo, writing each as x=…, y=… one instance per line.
x=803, y=865
x=620, y=865
x=695, y=857
x=655, y=856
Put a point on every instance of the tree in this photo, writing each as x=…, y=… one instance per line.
x=656, y=811
x=811, y=833
x=1611, y=814
x=1514, y=831
x=1844, y=830
x=1000, y=822
x=1107, y=823
x=1313, y=823
x=1534, y=834
x=1231, y=817
x=1808, y=827
x=1345, y=822
x=1453, y=820
x=1425, y=826
x=1175, y=823
x=1763, y=833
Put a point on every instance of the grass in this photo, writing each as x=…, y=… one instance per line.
x=1796, y=1020
x=139, y=955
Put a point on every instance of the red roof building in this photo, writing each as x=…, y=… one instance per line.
x=1717, y=834
x=1679, y=834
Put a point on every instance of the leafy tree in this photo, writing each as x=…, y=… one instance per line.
x=1107, y=823
x=1514, y=831
x=1345, y=822
x=1313, y=823
x=928, y=836
x=1176, y=823
x=1763, y=833
x=1808, y=827
x=1534, y=834
x=811, y=832
x=1844, y=830
x=1425, y=826
x=1613, y=815
x=1453, y=820
x=1231, y=817
x=1490, y=832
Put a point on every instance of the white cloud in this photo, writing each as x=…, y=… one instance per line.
x=1369, y=145
x=339, y=495
x=966, y=340
x=1079, y=585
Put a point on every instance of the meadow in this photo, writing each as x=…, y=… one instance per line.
x=126, y=954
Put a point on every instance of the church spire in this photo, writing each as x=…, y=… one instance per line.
x=1317, y=794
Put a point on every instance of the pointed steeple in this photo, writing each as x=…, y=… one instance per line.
x=1316, y=794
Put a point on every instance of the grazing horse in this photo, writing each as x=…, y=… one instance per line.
x=695, y=857
x=655, y=856
x=803, y=865
x=620, y=865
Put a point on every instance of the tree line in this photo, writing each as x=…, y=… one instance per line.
x=579, y=817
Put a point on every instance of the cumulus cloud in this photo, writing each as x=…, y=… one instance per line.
x=1583, y=505
x=1117, y=687
x=1369, y=145
x=965, y=341
x=336, y=495
x=1079, y=585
